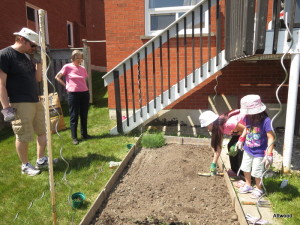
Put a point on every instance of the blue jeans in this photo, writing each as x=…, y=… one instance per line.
x=78, y=106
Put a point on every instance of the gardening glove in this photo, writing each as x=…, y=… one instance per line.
x=213, y=168
x=239, y=145
x=232, y=151
x=9, y=114
x=36, y=57
x=268, y=160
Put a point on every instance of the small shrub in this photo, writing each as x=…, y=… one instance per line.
x=154, y=140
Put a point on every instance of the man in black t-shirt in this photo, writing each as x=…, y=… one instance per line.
x=20, y=70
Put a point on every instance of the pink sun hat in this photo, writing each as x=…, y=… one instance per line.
x=252, y=104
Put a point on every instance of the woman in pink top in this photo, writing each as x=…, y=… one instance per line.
x=231, y=123
x=78, y=94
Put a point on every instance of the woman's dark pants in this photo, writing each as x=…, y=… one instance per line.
x=235, y=161
x=78, y=106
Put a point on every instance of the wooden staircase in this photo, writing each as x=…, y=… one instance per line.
x=174, y=62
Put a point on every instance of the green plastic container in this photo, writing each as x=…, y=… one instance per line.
x=77, y=199
x=129, y=146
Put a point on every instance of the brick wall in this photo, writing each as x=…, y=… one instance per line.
x=239, y=79
x=87, y=17
x=124, y=29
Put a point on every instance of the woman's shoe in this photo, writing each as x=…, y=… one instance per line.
x=75, y=141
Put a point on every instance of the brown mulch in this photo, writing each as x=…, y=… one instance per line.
x=161, y=186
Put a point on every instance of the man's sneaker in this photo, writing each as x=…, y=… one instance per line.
x=42, y=163
x=245, y=189
x=29, y=170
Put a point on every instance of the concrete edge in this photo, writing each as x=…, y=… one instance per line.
x=110, y=184
x=233, y=195
x=169, y=140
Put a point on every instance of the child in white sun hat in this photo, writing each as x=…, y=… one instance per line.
x=257, y=141
x=230, y=123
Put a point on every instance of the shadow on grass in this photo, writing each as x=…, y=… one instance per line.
x=6, y=133
x=289, y=193
x=79, y=163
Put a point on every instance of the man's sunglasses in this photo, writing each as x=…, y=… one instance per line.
x=32, y=45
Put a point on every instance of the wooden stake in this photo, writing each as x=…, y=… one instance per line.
x=46, y=107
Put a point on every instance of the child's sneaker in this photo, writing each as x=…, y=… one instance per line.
x=256, y=193
x=29, y=170
x=245, y=189
x=42, y=163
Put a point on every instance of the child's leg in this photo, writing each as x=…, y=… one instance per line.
x=258, y=184
x=257, y=171
x=246, y=167
x=247, y=178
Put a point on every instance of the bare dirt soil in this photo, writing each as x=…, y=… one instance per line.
x=161, y=186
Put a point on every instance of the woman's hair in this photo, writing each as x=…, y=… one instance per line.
x=217, y=128
x=76, y=53
x=256, y=119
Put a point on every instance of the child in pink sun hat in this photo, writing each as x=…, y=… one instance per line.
x=257, y=141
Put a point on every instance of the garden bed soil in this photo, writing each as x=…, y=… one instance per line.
x=161, y=186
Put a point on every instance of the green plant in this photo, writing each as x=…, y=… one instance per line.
x=153, y=140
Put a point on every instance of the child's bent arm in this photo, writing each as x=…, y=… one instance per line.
x=271, y=138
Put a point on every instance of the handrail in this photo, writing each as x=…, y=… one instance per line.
x=119, y=67
x=166, y=63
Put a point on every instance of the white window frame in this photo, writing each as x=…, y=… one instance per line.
x=176, y=10
x=36, y=18
x=72, y=34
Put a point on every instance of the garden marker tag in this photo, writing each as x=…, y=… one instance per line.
x=204, y=174
x=209, y=174
x=284, y=183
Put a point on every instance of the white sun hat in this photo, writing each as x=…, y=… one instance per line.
x=207, y=118
x=29, y=35
x=252, y=104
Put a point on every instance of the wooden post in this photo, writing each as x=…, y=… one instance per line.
x=87, y=65
x=46, y=107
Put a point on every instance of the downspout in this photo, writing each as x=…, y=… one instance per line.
x=291, y=112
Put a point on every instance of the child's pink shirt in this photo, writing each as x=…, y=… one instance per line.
x=75, y=77
x=232, y=122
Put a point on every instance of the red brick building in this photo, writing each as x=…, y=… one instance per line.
x=130, y=24
x=67, y=23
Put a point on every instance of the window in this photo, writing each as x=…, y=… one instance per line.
x=161, y=13
x=33, y=20
x=70, y=34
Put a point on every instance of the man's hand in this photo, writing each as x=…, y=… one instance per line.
x=9, y=114
x=213, y=168
x=36, y=56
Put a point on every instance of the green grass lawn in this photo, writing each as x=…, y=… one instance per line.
x=285, y=201
x=26, y=200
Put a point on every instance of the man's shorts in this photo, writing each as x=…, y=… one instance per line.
x=30, y=118
x=253, y=164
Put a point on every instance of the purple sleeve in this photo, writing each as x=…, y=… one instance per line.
x=267, y=125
